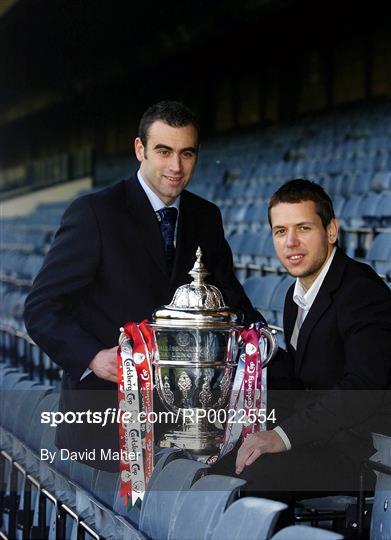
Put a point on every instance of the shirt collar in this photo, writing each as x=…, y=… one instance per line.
x=304, y=299
x=156, y=203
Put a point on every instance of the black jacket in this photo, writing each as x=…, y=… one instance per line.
x=341, y=370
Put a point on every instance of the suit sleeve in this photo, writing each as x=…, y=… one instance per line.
x=226, y=280
x=67, y=271
x=364, y=323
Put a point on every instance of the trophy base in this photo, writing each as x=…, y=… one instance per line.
x=200, y=445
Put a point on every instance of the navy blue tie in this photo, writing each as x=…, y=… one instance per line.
x=167, y=218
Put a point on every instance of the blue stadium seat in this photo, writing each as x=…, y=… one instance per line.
x=381, y=181
x=379, y=254
x=368, y=208
x=105, y=487
x=249, y=517
x=256, y=215
x=82, y=474
x=381, y=511
x=261, y=295
x=22, y=400
x=333, y=186
x=236, y=219
x=166, y=490
x=362, y=183
x=351, y=212
x=338, y=204
x=269, y=252
x=202, y=506
x=11, y=380
x=384, y=209
x=301, y=532
x=32, y=265
x=125, y=531
x=49, y=403
x=251, y=285
x=254, y=247
x=278, y=299
x=236, y=242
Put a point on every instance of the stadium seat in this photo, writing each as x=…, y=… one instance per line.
x=368, y=208
x=202, y=506
x=381, y=181
x=49, y=403
x=381, y=511
x=384, y=209
x=379, y=254
x=301, y=532
x=278, y=299
x=250, y=517
x=260, y=292
x=351, y=213
x=105, y=487
x=166, y=490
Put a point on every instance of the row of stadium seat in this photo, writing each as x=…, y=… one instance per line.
x=261, y=187
x=372, y=209
x=64, y=498
x=254, y=251
x=363, y=216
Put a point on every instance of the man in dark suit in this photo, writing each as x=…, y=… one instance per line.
x=118, y=255
x=330, y=388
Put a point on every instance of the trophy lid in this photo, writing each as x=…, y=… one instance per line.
x=197, y=304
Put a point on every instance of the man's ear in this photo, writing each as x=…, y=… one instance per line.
x=139, y=149
x=332, y=231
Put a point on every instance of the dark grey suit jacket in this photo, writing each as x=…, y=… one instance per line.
x=106, y=267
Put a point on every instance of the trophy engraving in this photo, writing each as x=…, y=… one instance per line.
x=184, y=384
x=168, y=395
x=225, y=385
x=205, y=394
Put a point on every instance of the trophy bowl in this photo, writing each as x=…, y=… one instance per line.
x=194, y=371
x=197, y=347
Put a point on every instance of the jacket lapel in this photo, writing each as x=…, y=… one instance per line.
x=144, y=218
x=290, y=314
x=185, y=238
x=322, y=301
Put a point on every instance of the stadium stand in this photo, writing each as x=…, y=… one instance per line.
x=349, y=152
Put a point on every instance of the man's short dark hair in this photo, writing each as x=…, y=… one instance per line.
x=299, y=190
x=173, y=113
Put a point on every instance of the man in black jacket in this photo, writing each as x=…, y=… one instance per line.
x=330, y=388
x=118, y=255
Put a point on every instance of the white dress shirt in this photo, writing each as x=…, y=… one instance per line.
x=304, y=300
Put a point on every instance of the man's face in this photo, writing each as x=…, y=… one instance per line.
x=301, y=242
x=168, y=159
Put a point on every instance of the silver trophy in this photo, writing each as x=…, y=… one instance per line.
x=196, y=359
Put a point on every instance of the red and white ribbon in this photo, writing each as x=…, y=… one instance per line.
x=135, y=396
x=248, y=393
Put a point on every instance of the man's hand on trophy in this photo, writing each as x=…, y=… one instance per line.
x=104, y=364
x=256, y=444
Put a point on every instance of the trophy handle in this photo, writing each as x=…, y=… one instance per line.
x=272, y=341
